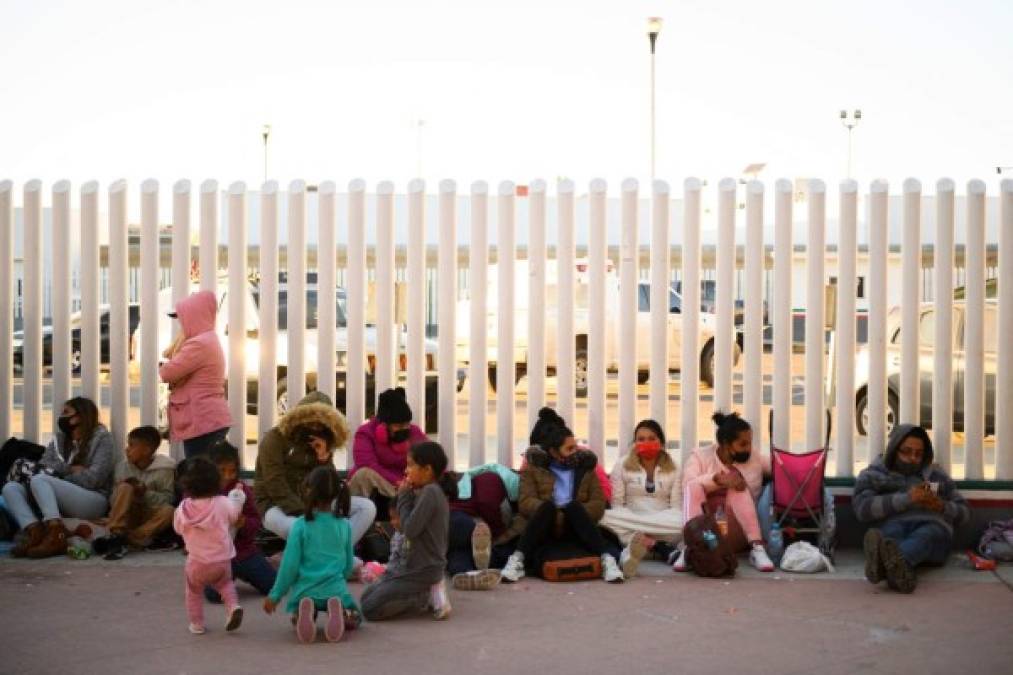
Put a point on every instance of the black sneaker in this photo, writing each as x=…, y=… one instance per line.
x=103, y=545
x=117, y=552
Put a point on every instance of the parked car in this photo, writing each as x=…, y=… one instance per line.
x=926, y=347
x=75, y=340
x=709, y=301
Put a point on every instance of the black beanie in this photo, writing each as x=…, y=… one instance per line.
x=392, y=407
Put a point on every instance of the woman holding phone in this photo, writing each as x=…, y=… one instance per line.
x=646, y=513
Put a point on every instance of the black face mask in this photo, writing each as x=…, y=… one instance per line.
x=740, y=457
x=906, y=468
x=65, y=426
x=400, y=436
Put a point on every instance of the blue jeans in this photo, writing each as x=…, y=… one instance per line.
x=459, y=558
x=254, y=570
x=919, y=541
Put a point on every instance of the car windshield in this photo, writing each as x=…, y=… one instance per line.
x=312, y=309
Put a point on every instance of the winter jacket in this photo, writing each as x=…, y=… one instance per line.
x=204, y=525
x=100, y=461
x=159, y=478
x=387, y=460
x=629, y=487
x=196, y=373
x=881, y=494
x=283, y=462
x=703, y=463
x=538, y=483
x=244, y=540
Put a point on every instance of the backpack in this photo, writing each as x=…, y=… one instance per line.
x=14, y=449
x=375, y=544
x=997, y=541
x=702, y=559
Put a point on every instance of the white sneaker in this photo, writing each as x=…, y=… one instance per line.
x=610, y=571
x=680, y=562
x=759, y=559
x=439, y=601
x=629, y=559
x=514, y=568
x=197, y=629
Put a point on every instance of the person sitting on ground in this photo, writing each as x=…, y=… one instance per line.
x=646, y=512
x=913, y=506
x=418, y=583
x=479, y=541
x=142, y=499
x=318, y=558
x=74, y=481
x=250, y=564
x=561, y=500
x=304, y=439
x=380, y=448
x=728, y=475
x=549, y=418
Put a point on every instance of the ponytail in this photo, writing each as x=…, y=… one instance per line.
x=729, y=426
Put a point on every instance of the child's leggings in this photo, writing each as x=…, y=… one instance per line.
x=738, y=502
x=217, y=575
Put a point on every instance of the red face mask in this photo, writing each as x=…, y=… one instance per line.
x=649, y=449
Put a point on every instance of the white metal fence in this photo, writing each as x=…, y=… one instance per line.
x=384, y=365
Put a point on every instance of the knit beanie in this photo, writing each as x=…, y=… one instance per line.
x=392, y=407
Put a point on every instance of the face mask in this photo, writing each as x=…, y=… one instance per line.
x=65, y=426
x=906, y=468
x=740, y=457
x=649, y=450
x=570, y=462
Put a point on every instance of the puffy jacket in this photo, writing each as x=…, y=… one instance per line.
x=387, y=460
x=196, y=373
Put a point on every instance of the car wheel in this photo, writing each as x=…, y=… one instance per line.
x=580, y=372
x=707, y=364
x=862, y=413
x=75, y=360
x=643, y=376
x=518, y=374
x=282, y=397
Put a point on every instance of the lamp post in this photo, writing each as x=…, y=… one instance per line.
x=653, y=28
x=266, y=133
x=850, y=120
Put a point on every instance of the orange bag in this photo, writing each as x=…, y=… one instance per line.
x=574, y=569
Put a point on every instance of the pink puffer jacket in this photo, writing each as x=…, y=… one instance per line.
x=196, y=374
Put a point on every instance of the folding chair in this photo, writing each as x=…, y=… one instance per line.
x=797, y=493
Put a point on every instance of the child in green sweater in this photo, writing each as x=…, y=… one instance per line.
x=318, y=558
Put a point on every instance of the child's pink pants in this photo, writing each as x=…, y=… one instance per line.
x=217, y=575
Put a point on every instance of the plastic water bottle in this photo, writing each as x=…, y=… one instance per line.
x=78, y=548
x=722, y=520
x=775, y=543
x=710, y=539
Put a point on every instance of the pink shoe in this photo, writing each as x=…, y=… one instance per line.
x=305, y=623
x=334, y=629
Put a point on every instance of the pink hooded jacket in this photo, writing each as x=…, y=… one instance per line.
x=387, y=460
x=204, y=525
x=703, y=463
x=196, y=374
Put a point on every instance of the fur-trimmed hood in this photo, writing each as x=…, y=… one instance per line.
x=315, y=409
x=537, y=457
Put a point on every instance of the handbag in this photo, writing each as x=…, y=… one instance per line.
x=375, y=544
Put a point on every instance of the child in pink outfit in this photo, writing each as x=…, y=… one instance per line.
x=203, y=520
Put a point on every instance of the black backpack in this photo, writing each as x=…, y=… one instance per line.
x=15, y=449
x=702, y=559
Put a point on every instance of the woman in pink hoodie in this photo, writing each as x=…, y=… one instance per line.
x=195, y=372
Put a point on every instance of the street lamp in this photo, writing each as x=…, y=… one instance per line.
x=265, y=131
x=850, y=120
x=653, y=28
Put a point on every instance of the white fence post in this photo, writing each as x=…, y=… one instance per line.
x=974, y=333
x=876, y=397
x=327, y=318
x=942, y=375
x=598, y=323
x=506, y=255
x=31, y=300
x=6, y=307
x=355, y=391
x=478, y=357
x=752, y=352
x=781, y=317
x=150, y=254
x=689, y=377
x=180, y=245
x=847, y=287
x=661, y=265
x=60, y=354
x=628, y=307
x=566, y=346
x=267, y=378
x=536, y=300
x=90, y=346
x=724, y=338
x=237, y=314
x=386, y=348
x=295, y=318
x=911, y=277
x=1004, y=369
x=208, y=253
x=119, y=312
x=447, y=308
x=815, y=341
x=417, y=297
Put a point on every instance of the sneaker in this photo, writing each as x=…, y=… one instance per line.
x=481, y=545
x=680, y=564
x=478, y=580
x=759, y=559
x=514, y=568
x=899, y=575
x=610, y=571
x=873, y=544
x=334, y=629
x=305, y=624
x=235, y=619
x=439, y=601
x=631, y=556
x=117, y=551
x=197, y=629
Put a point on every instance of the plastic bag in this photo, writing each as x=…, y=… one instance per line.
x=805, y=558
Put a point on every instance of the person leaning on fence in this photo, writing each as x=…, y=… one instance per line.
x=195, y=372
x=729, y=475
x=303, y=439
x=72, y=480
x=380, y=448
x=913, y=506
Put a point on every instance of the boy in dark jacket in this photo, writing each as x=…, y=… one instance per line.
x=914, y=506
